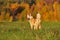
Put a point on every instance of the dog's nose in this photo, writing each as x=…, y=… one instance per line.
x=28, y=18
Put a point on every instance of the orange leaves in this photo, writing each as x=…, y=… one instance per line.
x=14, y=6
x=40, y=6
x=18, y=16
x=2, y=16
x=45, y=17
x=55, y=5
x=24, y=5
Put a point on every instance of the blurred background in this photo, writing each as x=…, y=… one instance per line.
x=14, y=24
x=14, y=10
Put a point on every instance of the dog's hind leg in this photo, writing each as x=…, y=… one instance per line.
x=39, y=26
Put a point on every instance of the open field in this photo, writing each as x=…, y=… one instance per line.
x=21, y=31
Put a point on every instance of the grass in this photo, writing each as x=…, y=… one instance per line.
x=21, y=31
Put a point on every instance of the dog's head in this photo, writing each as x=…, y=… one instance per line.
x=29, y=16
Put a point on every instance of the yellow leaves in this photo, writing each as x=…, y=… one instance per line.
x=38, y=5
x=24, y=5
x=18, y=16
x=6, y=18
x=55, y=16
x=55, y=5
x=38, y=1
x=0, y=18
x=10, y=19
x=43, y=9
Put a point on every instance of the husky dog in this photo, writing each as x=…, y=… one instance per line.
x=34, y=23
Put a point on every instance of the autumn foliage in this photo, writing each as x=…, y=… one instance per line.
x=47, y=13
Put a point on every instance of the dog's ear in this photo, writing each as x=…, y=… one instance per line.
x=28, y=16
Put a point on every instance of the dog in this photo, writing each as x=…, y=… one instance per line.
x=34, y=23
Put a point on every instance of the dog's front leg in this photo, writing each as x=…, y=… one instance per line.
x=31, y=25
x=35, y=26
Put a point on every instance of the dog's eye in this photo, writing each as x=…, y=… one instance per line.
x=28, y=18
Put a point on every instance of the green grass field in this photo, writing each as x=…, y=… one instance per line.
x=21, y=31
